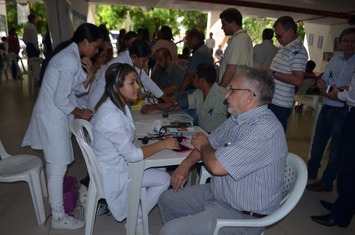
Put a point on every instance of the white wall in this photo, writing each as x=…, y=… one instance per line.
x=329, y=33
x=64, y=17
x=3, y=30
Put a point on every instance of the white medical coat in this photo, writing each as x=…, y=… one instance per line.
x=148, y=83
x=114, y=134
x=49, y=127
x=98, y=87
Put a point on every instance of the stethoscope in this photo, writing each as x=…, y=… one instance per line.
x=148, y=96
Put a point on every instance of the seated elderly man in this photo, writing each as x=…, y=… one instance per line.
x=246, y=156
x=207, y=99
x=167, y=74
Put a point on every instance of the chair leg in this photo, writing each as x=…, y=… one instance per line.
x=37, y=197
x=144, y=211
x=43, y=184
x=91, y=206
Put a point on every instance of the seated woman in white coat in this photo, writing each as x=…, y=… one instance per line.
x=114, y=134
x=56, y=106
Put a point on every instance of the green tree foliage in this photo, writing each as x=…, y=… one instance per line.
x=132, y=18
x=193, y=19
x=111, y=16
x=255, y=27
x=38, y=9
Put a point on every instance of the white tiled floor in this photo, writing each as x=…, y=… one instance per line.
x=17, y=215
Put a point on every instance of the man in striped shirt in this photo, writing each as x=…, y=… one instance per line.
x=287, y=67
x=246, y=156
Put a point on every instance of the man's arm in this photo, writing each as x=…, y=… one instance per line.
x=296, y=78
x=169, y=91
x=201, y=143
x=228, y=75
x=180, y=175
x=186, y=83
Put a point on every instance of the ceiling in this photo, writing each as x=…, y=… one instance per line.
x=309, y=11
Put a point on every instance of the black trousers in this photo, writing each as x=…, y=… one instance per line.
x=344, y=207
x=32, y=51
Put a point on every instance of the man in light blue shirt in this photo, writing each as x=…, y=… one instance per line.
x=331, y=118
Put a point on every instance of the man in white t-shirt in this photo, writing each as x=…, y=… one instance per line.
x=210, y=42
x=30, y=37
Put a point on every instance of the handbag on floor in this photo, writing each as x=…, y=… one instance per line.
x=70, y=193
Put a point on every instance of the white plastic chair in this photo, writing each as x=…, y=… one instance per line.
x=27, y=168
x=12, y=58
x=80, y=128
x=295, y=183
x=306, y=84
x=34, y=70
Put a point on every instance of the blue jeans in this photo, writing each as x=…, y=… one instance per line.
x=281, y=113
x=330, y=123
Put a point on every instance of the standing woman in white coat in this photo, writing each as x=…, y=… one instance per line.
x=114, y=134
x=56, y=106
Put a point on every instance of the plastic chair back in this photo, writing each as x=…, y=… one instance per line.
x=27, y=168
x=82, y=131
x=295, y=183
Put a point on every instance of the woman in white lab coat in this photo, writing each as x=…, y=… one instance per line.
x=114, y=134
x=137, y=56
x=56, y=106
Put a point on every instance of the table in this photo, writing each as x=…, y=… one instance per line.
x=316, y=103
x=160, y=159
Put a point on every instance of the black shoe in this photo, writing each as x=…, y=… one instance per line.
x=327, y=205
x=319, y=187
x=325, y=220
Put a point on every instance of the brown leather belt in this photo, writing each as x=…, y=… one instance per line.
x=253, y=214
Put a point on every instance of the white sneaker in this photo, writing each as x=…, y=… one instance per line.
x=67, y=222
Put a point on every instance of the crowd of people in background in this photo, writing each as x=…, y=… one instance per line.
x=244, y=106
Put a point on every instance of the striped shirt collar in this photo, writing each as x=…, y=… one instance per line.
x=246, y=116
x=294, y=42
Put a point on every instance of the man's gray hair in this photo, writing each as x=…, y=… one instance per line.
x=260, y=81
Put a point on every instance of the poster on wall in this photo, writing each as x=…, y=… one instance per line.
x=327, y=56
x=320, y=42
x=23, y=10
x=77, y=12
x=310, y=39
x=3, y=28
x=336, y=44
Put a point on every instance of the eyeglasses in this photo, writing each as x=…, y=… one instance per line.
x=351, y=40
x=231, y=90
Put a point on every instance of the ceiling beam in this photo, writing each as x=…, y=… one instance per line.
x=268, y=6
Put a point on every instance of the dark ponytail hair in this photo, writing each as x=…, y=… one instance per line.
x=140, y=48
x=84, y=31
x=115, y=76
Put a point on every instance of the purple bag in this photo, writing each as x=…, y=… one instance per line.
x=70, y=193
